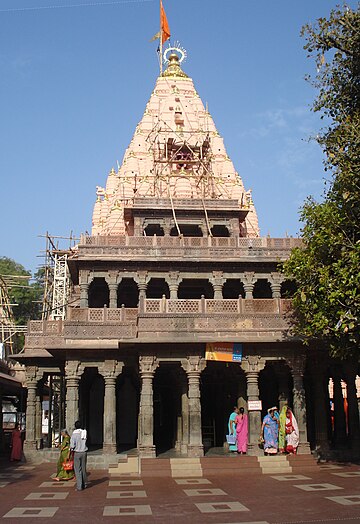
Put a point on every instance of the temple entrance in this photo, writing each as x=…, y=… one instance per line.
x=91, y=403
x=168, y=381
x=223, y=386
x=127, y=410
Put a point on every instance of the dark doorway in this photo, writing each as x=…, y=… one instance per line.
x=127, y=409
x=166, y=406
x=223, y=384
x=91, y=402
x=220, y=231
x=233, y=288
x=154, y=229
x=262, y=289
x=187, y=230
x=156, y=288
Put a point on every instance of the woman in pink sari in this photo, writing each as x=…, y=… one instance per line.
x=241, y=422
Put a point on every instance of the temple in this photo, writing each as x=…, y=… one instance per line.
x=176, y=308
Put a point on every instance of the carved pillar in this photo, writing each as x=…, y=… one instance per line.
x=184, y=420
x=340, y=436
x=276, y=280
x=320, y=400
x=72, y=378
x=252, y=366
x=84, y=295
x=110, y=371
x=217, y=283
x=174, y=284
x=113, y=295
x=148, y=365
x=32, y=378
x=38, y=422
x=353, y=408
x=141, y=281
x=297, y=364
x=248, y=281
x=193, y=366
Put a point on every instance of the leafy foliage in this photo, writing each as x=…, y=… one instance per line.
x=27, y=295
x=327, y=270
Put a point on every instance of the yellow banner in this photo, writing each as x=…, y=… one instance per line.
x=223, y=351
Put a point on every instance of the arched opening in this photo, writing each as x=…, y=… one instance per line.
x=192, y=288
x=233, y=288
x=288, y=289
x=99, y=293
x=127, y=409
x=91, y=403
x=268, y=388
x=223, y=386
x=262, y=289
x=128, y=293
x=187, y=230
x=154, y=229
x=168, y=385
x=156, y=288
x=219, y=230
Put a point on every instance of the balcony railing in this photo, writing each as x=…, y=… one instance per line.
x=195, y=242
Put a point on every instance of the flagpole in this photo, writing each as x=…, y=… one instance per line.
x=161, y=45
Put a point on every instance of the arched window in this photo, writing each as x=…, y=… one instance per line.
x=233, y=288
x=195, y=288
x=128, y=293
x=99, y=293
x=154, y=229
x=156, y=288
x=262, y=289
x=220, y=231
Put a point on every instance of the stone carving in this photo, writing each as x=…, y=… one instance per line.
x=110, y=369
x=148, y=364
x=253, y=363
x=193, y=364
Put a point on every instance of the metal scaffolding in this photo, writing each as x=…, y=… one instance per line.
x=8, y=328
x=57, y=284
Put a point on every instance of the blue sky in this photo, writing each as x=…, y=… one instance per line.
x=74, y=83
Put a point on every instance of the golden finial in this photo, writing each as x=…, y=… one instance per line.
x=173, y=68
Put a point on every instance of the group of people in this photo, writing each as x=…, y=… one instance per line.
x=279, y=431
x=238, y=428
x=73, y=447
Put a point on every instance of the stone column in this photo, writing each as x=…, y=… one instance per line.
x=353, y=409
x=113, y=295
x=184, y=420
x=193, y=366
x=84, y=295
x=32, y=378
x=217, y=283
x=72, y=378
x=282, y=374
x=297, y=364
x=173, y=284
x=320, y=400
x=110, y=371
x=248, y=281
x=252, y=366
x=148, y=365
x=276, y=280
x=340, y=436
x=38, y=423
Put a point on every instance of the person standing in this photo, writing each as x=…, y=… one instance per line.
x=61, y=473
x=270, y=431
x=16, y=444
x=232, y=428
x=78, y=446
x=242, y=425
x=292, y=432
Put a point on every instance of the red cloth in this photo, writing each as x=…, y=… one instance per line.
x=16, y=445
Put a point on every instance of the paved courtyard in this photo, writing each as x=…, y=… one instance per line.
x=28, y=494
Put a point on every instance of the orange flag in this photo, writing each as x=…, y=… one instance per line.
x=165, y=30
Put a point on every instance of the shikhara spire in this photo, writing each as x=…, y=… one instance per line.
x=176, y=153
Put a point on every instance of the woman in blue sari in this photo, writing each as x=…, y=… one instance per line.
x=232, y=428
x=270, y=432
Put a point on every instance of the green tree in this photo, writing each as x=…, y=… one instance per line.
x=25, y=293
x=327, y=269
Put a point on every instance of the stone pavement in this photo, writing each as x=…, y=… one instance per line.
x=332, y=494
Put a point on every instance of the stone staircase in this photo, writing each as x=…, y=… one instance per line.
x=277, y=464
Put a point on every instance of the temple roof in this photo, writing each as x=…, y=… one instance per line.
x=176, y=153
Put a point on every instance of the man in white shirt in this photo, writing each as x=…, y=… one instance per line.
x=78, y=446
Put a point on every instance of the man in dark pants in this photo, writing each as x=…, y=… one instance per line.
x=78, y=446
